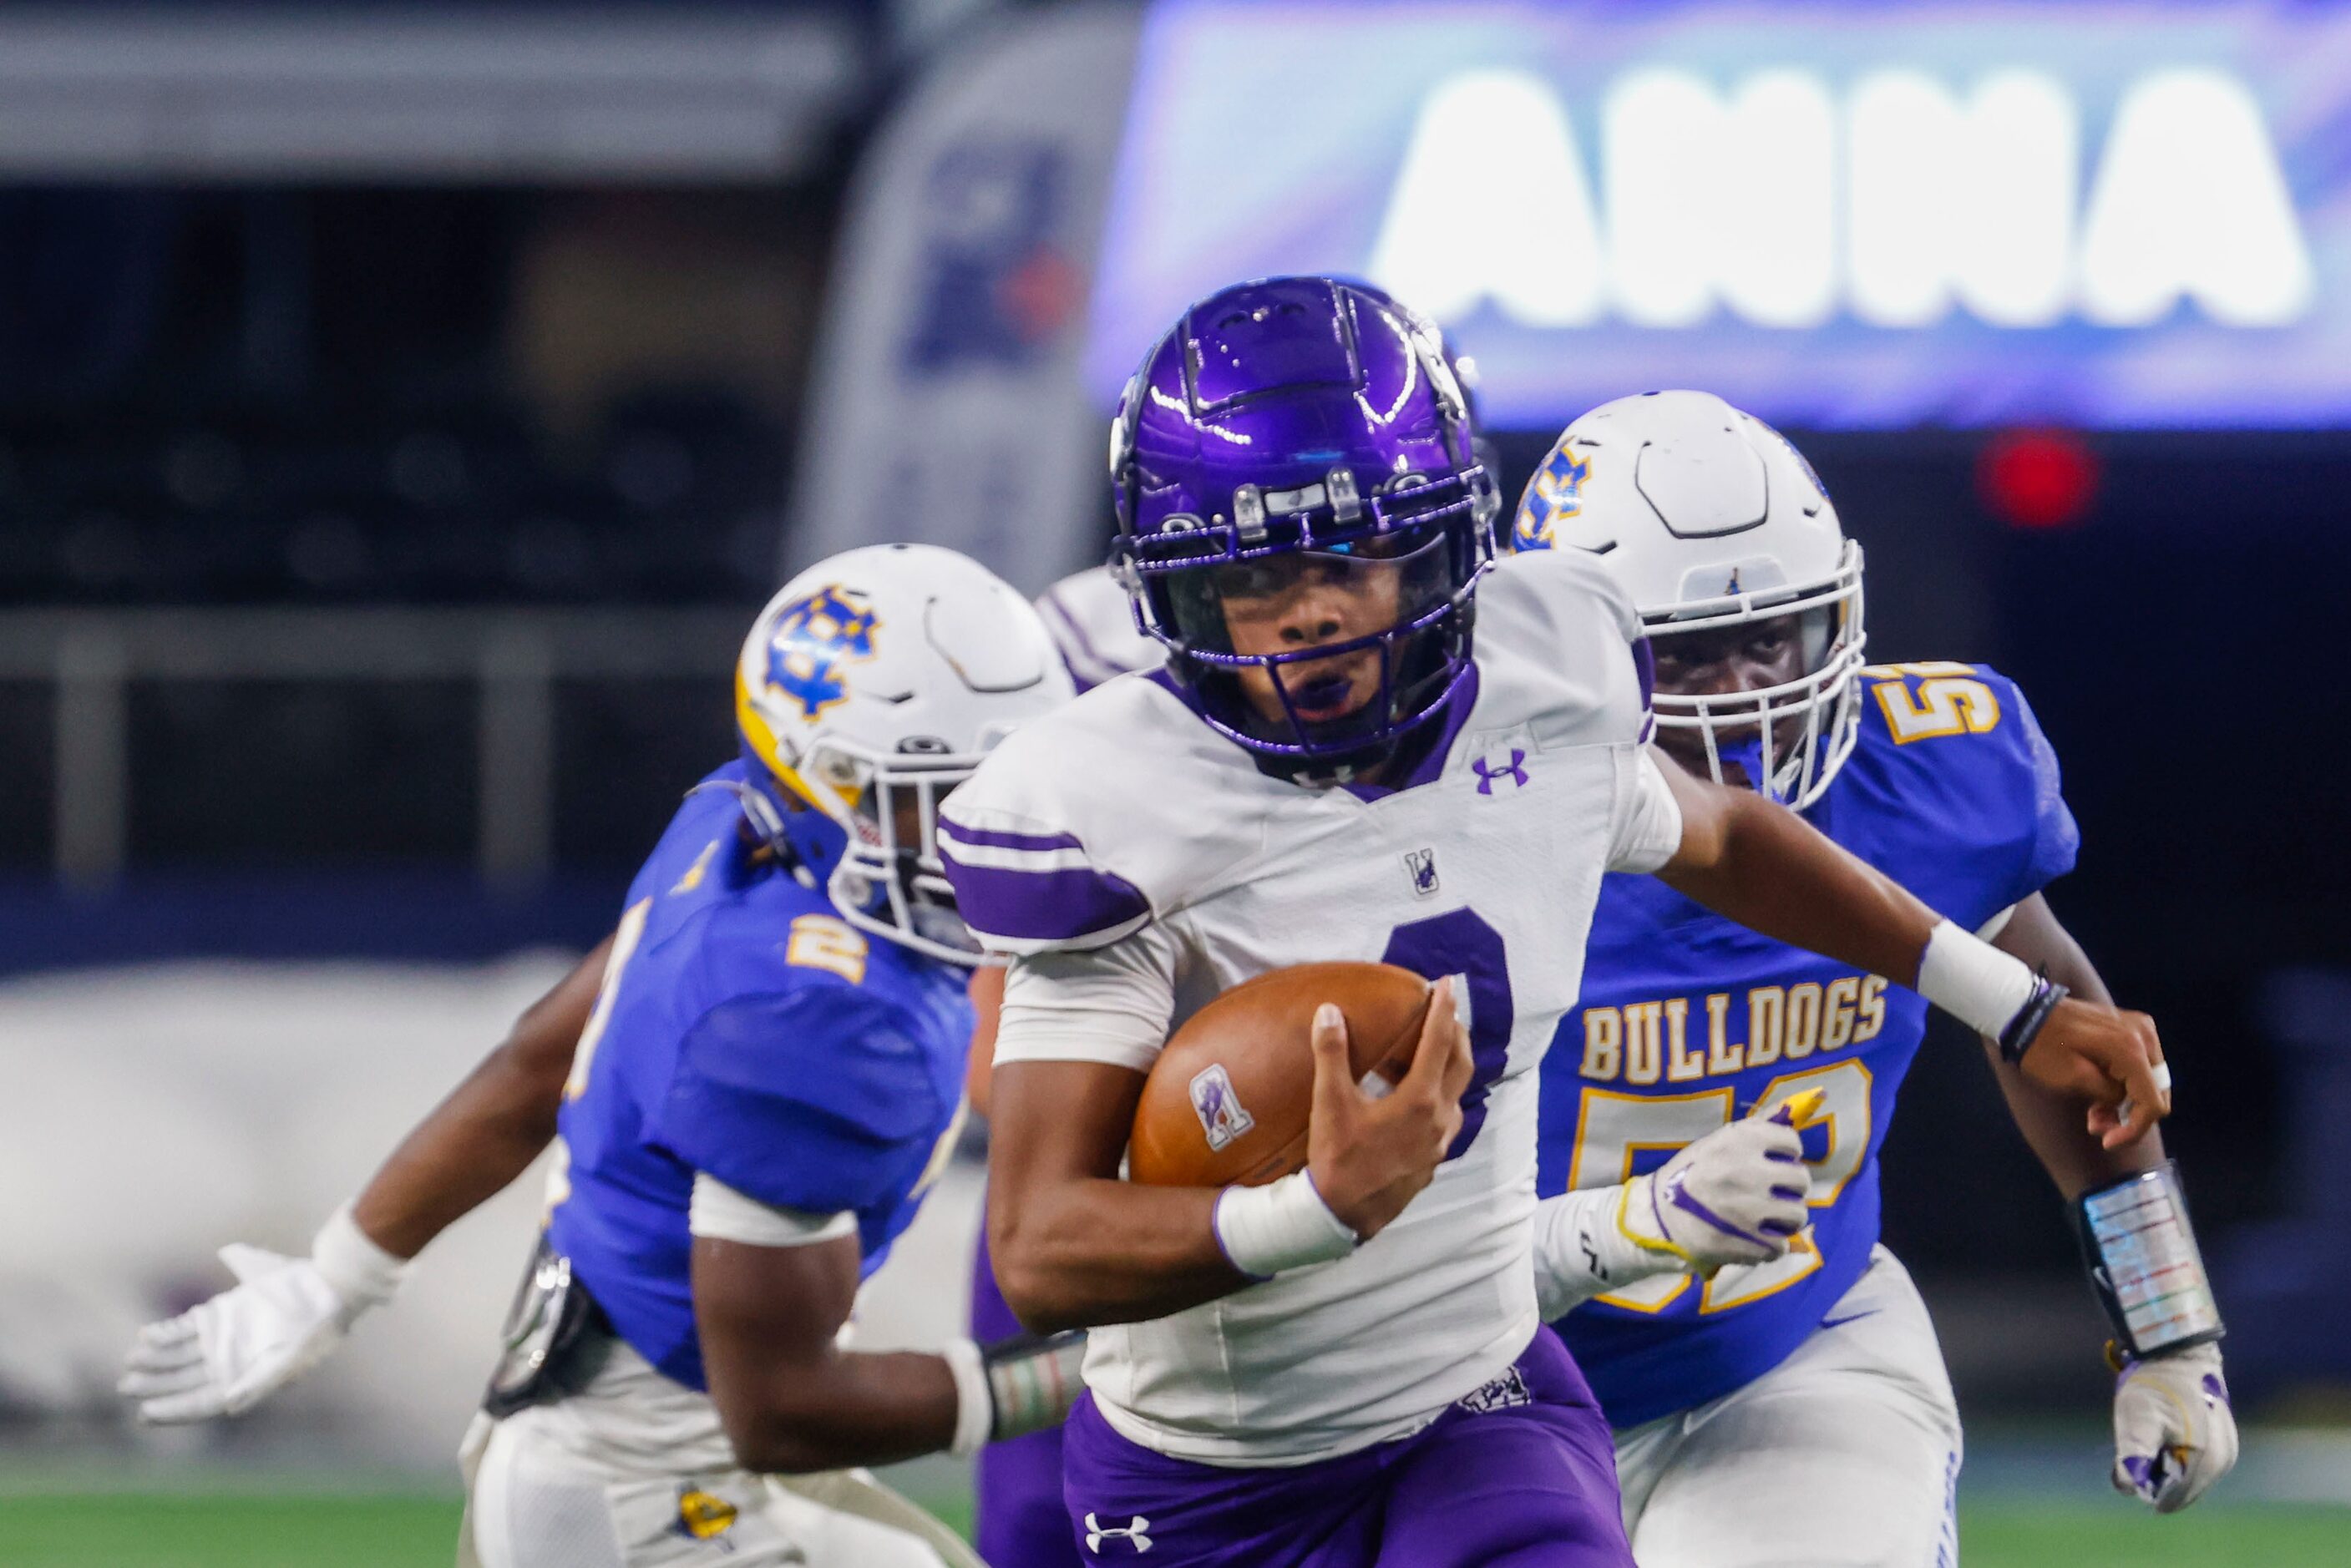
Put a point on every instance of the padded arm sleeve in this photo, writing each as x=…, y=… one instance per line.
x=816, y=1099
x=723, y=1214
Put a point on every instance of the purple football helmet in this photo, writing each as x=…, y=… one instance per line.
x=1292, y=427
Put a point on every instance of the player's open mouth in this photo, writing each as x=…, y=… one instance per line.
x=1325, y=695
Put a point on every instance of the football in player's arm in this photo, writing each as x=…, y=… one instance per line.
x=750, y=1085
x=1751, y=599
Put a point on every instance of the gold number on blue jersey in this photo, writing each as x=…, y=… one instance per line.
x=829, y=944
x=1844, y=1112
x=1612, y=1130
x=625, y=937
x=1946, y=701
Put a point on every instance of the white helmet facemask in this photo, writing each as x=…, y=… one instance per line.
x=1789, y=739
x=1711, y=520
x=883, y=883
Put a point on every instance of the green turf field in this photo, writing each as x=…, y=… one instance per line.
x=147, y=1531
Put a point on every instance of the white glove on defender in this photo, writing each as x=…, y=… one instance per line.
x=2174, y=1432
x=1735, y=1196
x=284, y=1316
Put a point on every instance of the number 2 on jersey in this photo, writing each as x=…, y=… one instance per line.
x=1460, y=942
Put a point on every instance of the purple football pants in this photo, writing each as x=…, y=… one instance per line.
x=1021, y=1522
x=1521, y=1474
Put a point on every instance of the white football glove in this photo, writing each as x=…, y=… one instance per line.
x=2174, y=1432
x=1735, y=1196
x=284, y=1316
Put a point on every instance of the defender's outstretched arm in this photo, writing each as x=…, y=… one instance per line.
x=2175, y=1435
x=286, y=1315
x=473, y=1144
x=1766, y=868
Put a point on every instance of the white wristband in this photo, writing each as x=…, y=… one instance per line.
x=1973, y=981
x=975, y=1404
x=1283, y=1225
x=358, y=1271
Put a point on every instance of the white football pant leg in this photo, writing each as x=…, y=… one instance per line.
x=1846, y=1455
x=535, y=1506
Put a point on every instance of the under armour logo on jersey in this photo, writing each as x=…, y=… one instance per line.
x=1422, y=864
x=1132, y=1532
x=1514, y=770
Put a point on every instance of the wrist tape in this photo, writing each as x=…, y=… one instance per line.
x=1982, y=987
x=361, y=1272
x=1013, y=1387
x=975, y=1408
x=1283, y=1225
x=2145, y=1265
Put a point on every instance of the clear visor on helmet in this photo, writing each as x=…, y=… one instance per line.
x=1787, y=737
x=890, y=880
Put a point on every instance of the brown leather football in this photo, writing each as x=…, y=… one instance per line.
x=1228, y=1100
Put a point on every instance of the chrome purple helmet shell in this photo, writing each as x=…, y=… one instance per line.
x=1291, y=416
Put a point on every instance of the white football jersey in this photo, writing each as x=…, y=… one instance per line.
x=1138, y=864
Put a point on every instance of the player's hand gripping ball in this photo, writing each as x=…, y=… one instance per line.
x=1228, y=1100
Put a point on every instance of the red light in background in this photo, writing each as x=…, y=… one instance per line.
x=2037, y=479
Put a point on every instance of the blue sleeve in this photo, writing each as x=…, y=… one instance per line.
x=817, y=1098
x=2053, y=840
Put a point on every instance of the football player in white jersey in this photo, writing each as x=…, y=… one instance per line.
x=1346, y=1366
x=1801, y=1363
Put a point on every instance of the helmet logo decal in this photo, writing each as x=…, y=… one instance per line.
x=813, y=639
x=1553, y=496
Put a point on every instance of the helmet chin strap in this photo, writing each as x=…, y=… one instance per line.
x=767, y=821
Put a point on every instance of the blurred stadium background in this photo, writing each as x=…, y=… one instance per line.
x=404, y=407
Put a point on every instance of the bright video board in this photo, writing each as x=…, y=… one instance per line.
x=1837, y=215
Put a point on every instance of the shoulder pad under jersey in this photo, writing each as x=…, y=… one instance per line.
x=1971, y=755
x=699, y=835
x=1087, y=824
x=1558, y=641
x=814, y=1097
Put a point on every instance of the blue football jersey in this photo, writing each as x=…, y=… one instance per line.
x=746, y=1030
x=1687, y=1021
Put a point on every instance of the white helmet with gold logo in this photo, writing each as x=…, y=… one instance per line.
x=872, y=685
x=1710, y=518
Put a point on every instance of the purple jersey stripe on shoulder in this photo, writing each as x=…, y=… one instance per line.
x=1003, y=838
x=1042, y=906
